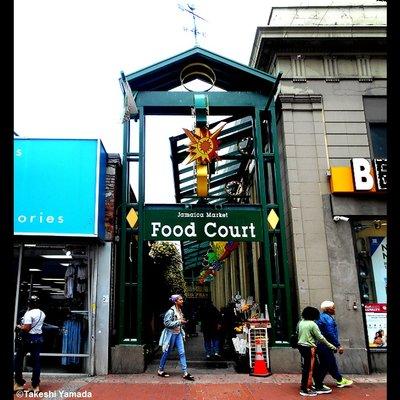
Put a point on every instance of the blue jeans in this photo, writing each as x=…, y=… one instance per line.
x=176, y=340
x=328, y=363
x=211, y=345
x=33, y=347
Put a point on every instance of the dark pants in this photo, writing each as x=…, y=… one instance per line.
x=309, y=367
x=32, y=345
x=327, y=361
x=211, y=344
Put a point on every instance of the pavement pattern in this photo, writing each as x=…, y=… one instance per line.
x=212, y=382
x=209, y=385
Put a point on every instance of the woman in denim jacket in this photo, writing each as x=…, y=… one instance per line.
x=174, y=335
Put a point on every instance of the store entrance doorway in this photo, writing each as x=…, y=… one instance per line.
x=60, y=275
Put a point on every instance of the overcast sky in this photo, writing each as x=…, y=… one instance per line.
x=68, y=56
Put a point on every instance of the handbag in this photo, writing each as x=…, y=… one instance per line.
x=294, y=338
x=19, y=336
x=22, y=337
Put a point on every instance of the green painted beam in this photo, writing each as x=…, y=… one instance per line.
x=141, y=200
x=122, y=243
x=180, y=103
x=262, y=190
x=278, y=185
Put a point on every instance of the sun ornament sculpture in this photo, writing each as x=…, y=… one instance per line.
x=203, y=144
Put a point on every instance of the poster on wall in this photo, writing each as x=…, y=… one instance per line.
x=375, y=315
x=378, y=248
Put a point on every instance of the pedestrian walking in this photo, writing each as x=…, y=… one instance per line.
x=29, y=338
x=211, y=323
x=327, y=359
x=309, y=334
x=174, y=335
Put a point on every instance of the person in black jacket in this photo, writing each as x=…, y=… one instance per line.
x=210, y=319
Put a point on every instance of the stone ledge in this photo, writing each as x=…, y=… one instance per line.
x=352, y=361
x=127, y=359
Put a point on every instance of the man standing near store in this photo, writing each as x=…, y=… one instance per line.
x=31, y=340
x=327, y=359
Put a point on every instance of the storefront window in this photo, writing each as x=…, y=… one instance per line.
x=371, y=258
x=378, y=135
x=60, y=278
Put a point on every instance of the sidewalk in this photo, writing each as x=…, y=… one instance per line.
x=209, y=385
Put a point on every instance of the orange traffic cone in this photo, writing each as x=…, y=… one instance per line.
x=260, y=366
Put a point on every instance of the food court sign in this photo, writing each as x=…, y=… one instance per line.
x=241, y=223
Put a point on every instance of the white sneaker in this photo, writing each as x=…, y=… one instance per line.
x=324, y=390
x=308, y=392
x=18, y=387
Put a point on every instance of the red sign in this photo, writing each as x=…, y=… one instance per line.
x=376, y=307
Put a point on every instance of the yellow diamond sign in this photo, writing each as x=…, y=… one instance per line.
x=273, y=219
x=132, y=218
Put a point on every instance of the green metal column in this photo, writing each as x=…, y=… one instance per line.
x=259, y=155
x=278, y=186
x=141, y=200
x=122, y=263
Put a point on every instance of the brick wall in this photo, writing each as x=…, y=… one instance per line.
x=113, y=177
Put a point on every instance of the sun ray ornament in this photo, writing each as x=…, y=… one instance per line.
x=203, y=144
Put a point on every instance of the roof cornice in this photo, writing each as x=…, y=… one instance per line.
x=282, y=35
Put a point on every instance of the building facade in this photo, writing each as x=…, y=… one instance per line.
x=332, y=139
x=65, y=199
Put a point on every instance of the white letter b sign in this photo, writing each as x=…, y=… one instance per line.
x=363, y=180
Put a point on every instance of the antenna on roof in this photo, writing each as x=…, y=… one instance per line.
x=190, y=9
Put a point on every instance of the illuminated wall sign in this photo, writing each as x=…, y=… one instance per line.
x=240, y=223
x=59, y=187
x=361, y=177
x=380, y=167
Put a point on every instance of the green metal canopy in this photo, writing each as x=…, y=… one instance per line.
x=230, y=75
x=248, y=145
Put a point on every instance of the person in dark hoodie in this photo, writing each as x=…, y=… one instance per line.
x=211, y=320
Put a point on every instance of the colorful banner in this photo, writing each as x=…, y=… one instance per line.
x=378, y=248
x=219, y=252
x=376, y=318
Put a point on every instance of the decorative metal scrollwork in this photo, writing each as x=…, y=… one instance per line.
x=234, y=188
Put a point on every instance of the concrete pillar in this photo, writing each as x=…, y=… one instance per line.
x=101, y=330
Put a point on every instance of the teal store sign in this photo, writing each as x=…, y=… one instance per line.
x=176, y=222
x=59, y=187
